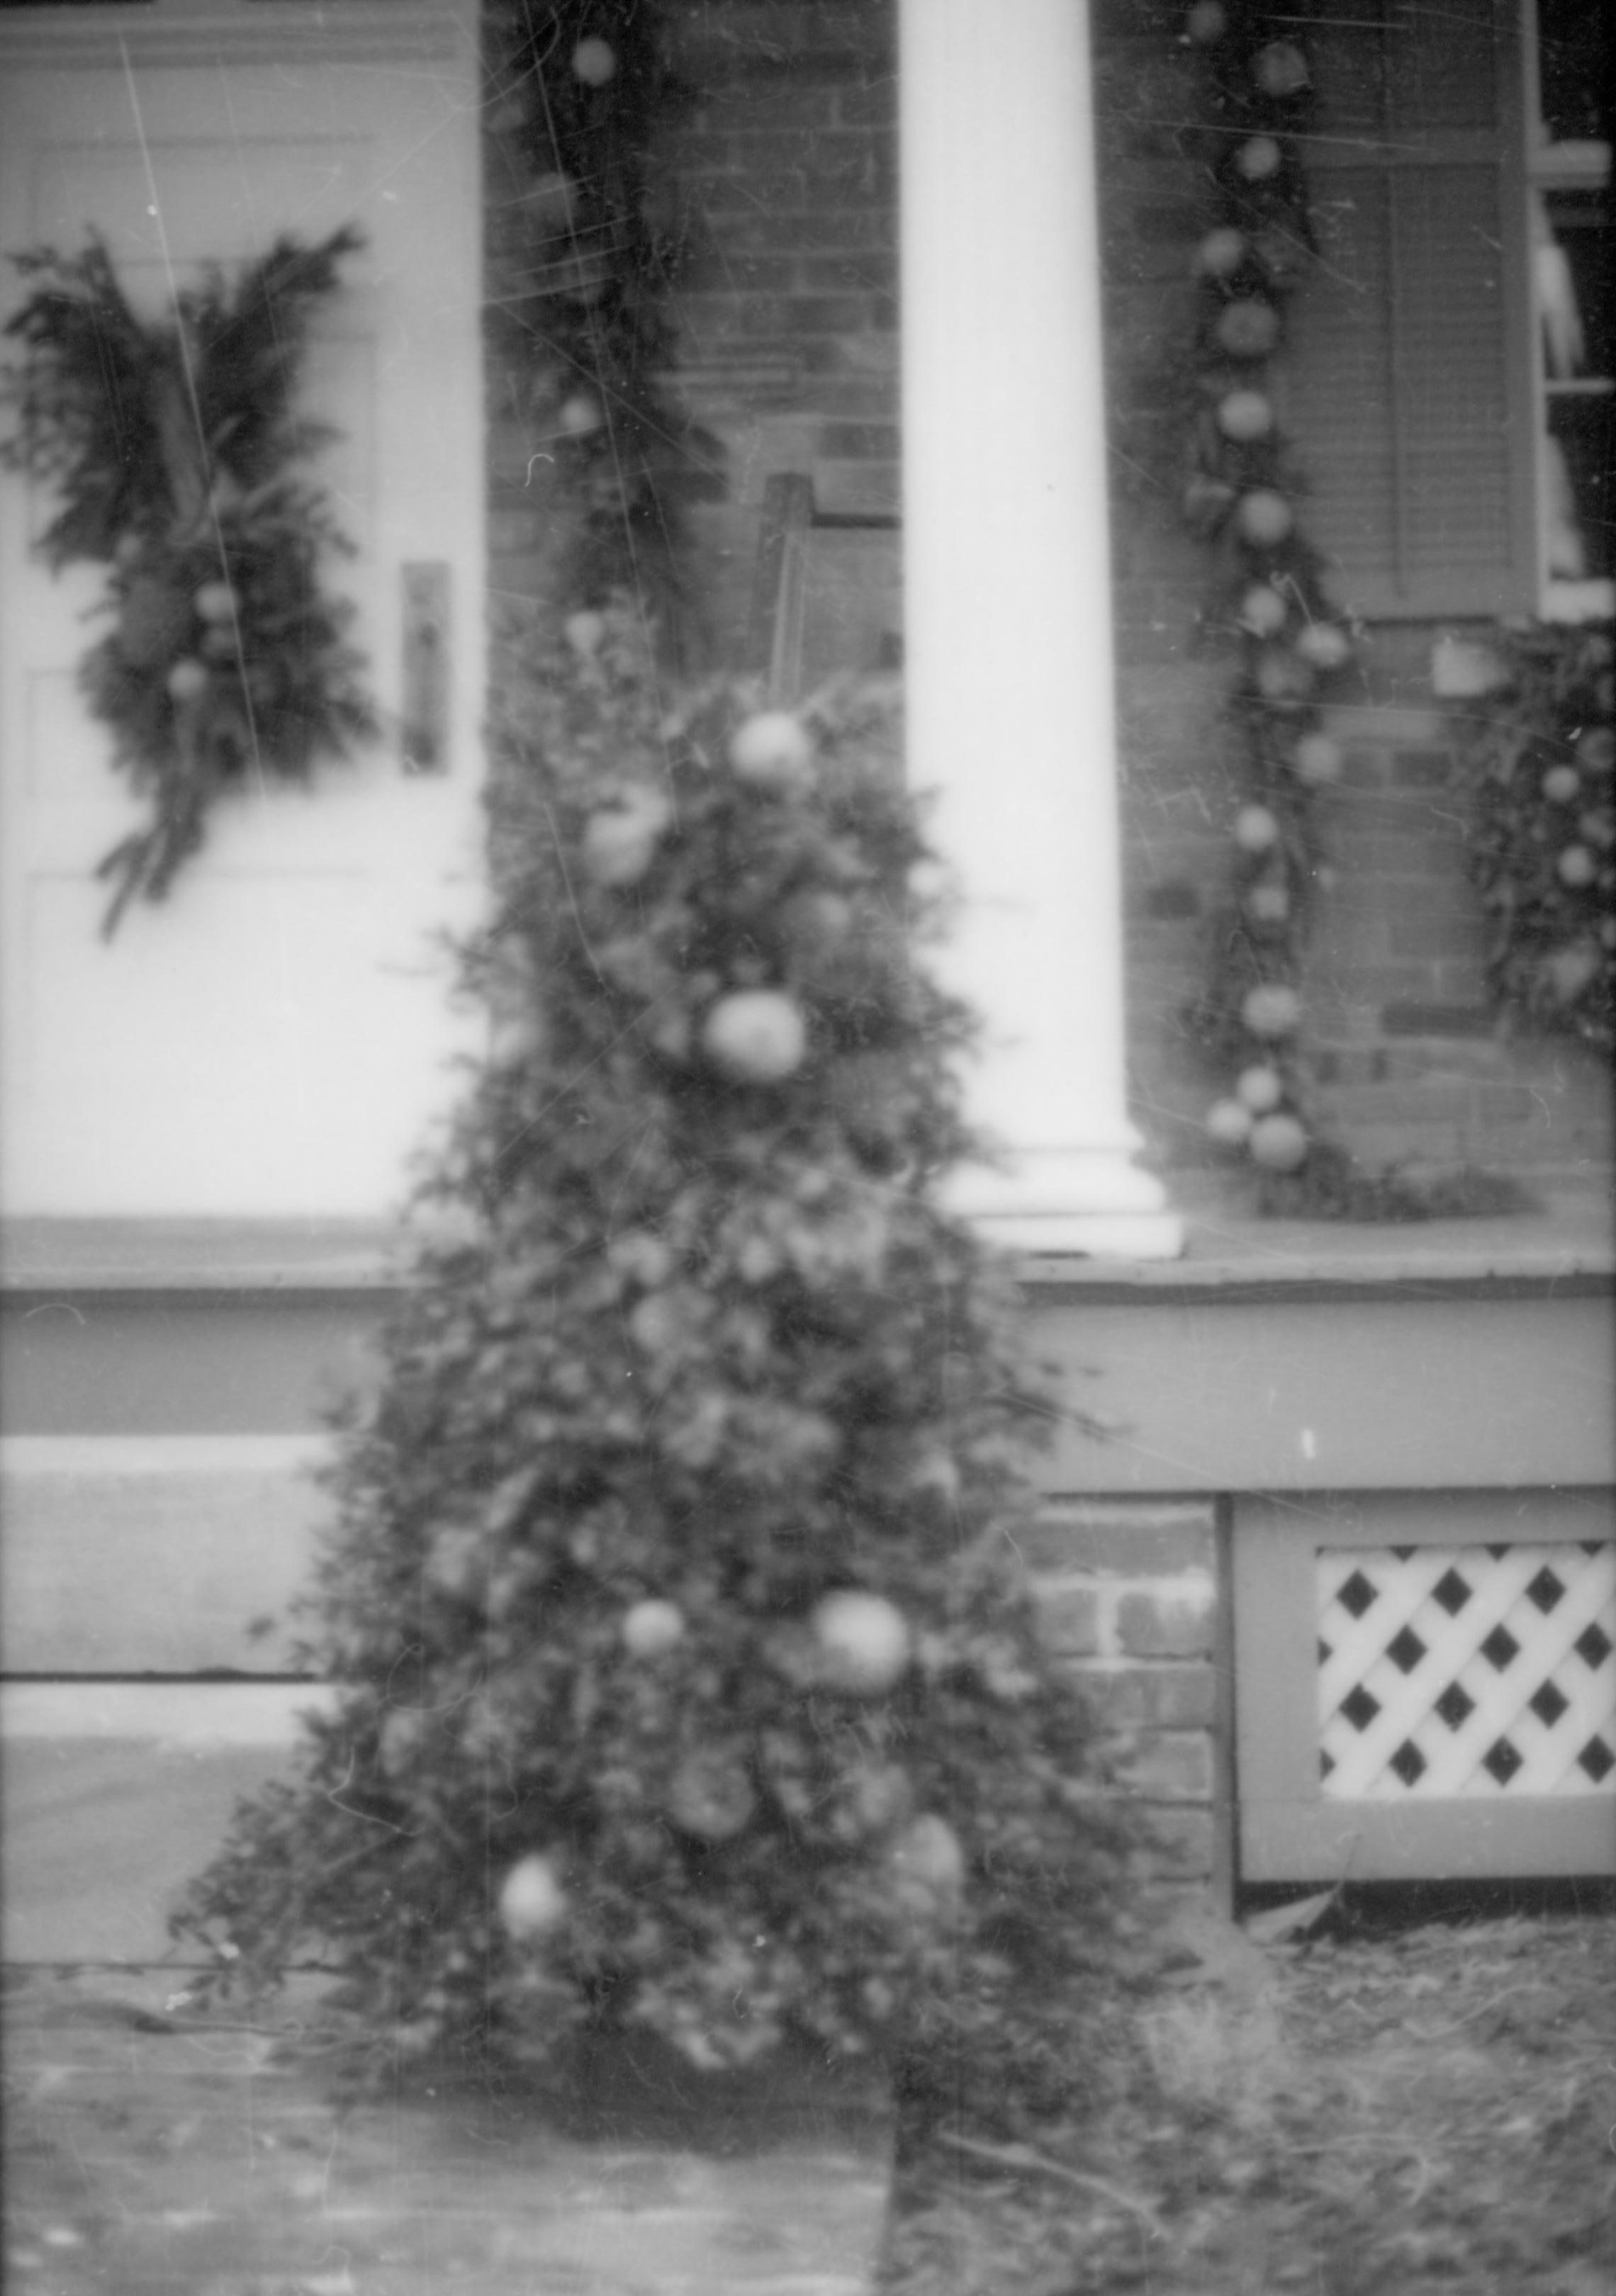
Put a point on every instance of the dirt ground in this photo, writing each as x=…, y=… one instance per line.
x=1371, y=2113
x=1360, y=2114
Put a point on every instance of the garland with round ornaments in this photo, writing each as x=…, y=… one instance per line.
x=1293, y=642
x=1270, y=599
x=585, y=86
x=1538, y=758
x=176, y=458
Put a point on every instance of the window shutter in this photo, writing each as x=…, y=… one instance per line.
x=1409, y=385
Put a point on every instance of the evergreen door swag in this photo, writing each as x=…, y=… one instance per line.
x=178, y=460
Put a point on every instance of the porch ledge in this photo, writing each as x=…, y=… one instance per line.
x=249, y=1257
x=1567, y=1248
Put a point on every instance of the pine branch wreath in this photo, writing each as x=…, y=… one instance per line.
x=176, y=451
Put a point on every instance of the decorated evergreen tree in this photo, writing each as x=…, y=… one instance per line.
x=685, y=1679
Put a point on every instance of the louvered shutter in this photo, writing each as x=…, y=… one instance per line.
x=1409, y=383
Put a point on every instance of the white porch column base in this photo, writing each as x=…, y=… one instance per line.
x=1086, y=1203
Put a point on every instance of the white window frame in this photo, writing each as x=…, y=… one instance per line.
x=1549, y=167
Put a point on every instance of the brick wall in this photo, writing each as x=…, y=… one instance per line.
x=1128, y=1595
x=778, y=185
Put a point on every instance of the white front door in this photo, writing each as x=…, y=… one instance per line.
x=274, y=1039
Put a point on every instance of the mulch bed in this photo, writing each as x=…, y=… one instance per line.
x=1358, y=2115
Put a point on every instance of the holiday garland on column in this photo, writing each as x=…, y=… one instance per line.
x=1294, y=642
x=1240, y=500
x=176, y=455
x=584, y=85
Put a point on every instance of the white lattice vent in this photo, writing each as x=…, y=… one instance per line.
x=1448, y=1670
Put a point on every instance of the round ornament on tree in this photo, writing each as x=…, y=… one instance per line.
x=1317, y=760
x=1576, y=867
x=216, y=602
x=595, y=62
x=757, y=1035
x=1256, y=829
x=1259, y=157
x=1244, y=415
x=1278, y=1143
x=1221, y=253
x=711, y=1796
x=1271, y=1009
x=187, y=679
x=1264, y=517
x=1207, y=21
x=1248, y=329
x=532, y=1903
x=773, y=750
x=1325, y=645
x=1280, y=70
x=862, y=1644
x=1263, y=611
x=584, y=632
x=620, y=841
x=1259, y=1089
x=1229, y=1123
x=1572, y=970
x=927, y=1867
x=652, y=1627
x=579, y=416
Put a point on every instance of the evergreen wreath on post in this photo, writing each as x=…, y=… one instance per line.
x=686, y=1679
x=1241, y=499
x=176, y=453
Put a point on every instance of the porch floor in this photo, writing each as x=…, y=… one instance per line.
x=155, y=2152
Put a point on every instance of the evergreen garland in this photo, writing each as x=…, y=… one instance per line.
x=1294, y=643
x=1537, y=758
x=1241, y=499
x=587, y=85
x=176, y=451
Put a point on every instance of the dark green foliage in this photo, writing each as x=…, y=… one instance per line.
x=589, y=319
x=1331, y=1186
x=176, y=453
x=700, y=1338
x=1538, y=758
x=1242, y=499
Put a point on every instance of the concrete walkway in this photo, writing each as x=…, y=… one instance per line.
x=150, y=2151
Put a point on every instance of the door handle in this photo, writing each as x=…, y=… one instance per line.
x=424, y=731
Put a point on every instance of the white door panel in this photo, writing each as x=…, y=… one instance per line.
x=274, y=1038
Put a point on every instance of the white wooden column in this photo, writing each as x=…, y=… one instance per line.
x=1007, y=604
